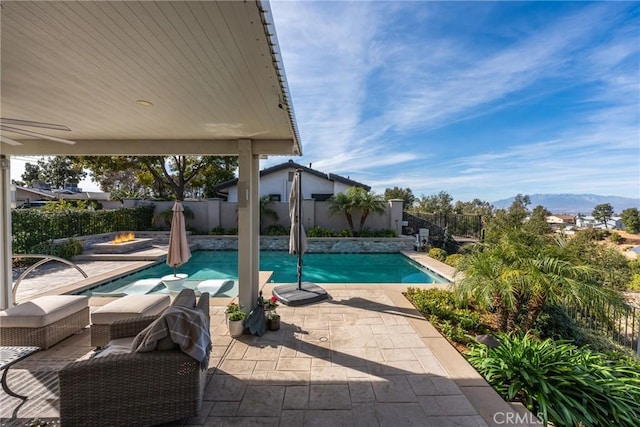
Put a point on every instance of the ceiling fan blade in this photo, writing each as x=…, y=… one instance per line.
x=18, y=122
x=9, y=141
x=35, y=134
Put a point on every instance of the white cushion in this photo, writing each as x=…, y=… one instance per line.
x=42, y=311
x=129, y=307
x=117, y=346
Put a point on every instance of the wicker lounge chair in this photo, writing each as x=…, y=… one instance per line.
x=130, y=389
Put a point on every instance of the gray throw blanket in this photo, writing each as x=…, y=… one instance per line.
x=187, y=327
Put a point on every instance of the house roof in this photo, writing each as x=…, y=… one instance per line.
x=55, y=195
x=292, y=165
x=211, y=70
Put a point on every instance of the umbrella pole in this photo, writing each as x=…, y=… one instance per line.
x=299, y=216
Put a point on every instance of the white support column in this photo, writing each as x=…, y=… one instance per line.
x=6, y=297
x=248, y=224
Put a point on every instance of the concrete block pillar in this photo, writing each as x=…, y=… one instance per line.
x=395, y=215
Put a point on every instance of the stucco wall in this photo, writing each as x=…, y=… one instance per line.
x=217, y=213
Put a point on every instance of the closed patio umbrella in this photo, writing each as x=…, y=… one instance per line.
x=297, y=236
x=296, y=294
x=179, y=251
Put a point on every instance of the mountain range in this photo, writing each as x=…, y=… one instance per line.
x=573, y=203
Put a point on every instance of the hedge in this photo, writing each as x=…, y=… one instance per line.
x=32, y=227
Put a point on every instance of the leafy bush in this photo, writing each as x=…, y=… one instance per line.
x=276, y=230
x=634, y=285
x=561, y=383
x=232, y=231
x=555, y=323
x=440, y=308
x=317, y=231
x=33, y=226
x=66, y=250
x=217, y=231
x=345, y=233
x=437, y=253
x=367, y=232
x=616, y=238
x=453, y=260
x=386, y=232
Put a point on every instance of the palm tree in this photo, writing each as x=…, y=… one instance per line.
x=522, y=272
x=368, y=202
x=356, y=198
x=341, y=203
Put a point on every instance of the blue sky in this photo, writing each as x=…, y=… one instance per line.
x=480, y=99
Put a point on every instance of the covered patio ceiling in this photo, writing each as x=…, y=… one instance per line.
x=210, y=70
x=145, y=78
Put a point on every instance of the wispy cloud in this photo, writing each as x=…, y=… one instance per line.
x=381, y=91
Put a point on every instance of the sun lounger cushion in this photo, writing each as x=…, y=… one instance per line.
x=139, y=287
x=213, y=286
x=42, y=311
x=129, y=307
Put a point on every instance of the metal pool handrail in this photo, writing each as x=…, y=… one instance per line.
x=45, y=259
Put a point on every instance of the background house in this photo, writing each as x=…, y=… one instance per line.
x=276, y=182
x=24, y=195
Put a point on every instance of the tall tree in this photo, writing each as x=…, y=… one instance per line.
x=631, y=220
x=32, y=173
x=408, y=199
x=56, y=171
x=603, y=212
x=167, y=176
x=436, y=204
x=537, y=223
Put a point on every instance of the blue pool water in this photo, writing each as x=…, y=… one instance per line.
x=317, y=268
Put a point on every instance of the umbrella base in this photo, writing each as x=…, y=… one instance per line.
x=289, y=294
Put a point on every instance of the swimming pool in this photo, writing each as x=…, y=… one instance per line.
x=317, y=268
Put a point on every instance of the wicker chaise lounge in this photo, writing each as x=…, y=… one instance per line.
x=133, y=389
x=43, y=321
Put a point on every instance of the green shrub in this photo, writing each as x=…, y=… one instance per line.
x=437, y=253
x=440, y=308
x=66, y=250
x=561, y=383
x=33, y=226
x=386, y=232
x=276, y=230
x=345, y=233
x=634, y=285
x=232, y=231
x=616, y=238
x=555, y=323
x=467, y=319
x=453, y=260
x=452, y=331
x=317, y=231
x=217, y=231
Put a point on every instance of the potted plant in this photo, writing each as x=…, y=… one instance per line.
x=273, y=320
x=235, y=319
x=271, y=304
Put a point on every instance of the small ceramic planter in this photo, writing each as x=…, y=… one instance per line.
x=236, y=328
x=273, y=323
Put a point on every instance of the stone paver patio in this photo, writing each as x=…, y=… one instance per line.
x=364, y=357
